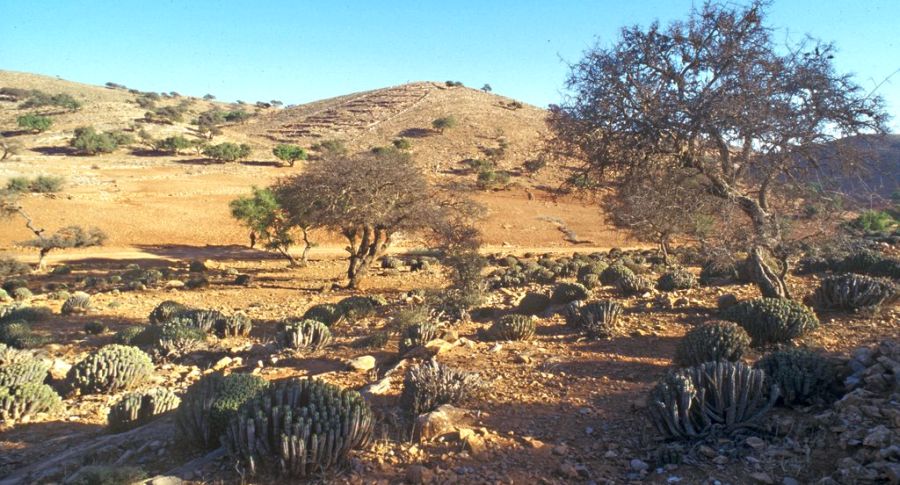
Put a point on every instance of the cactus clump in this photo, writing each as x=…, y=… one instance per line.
x=235, y=325
x=802, y=376
x=78, y=303
x=209, y=404
x=21, y=367
x=416, y=335
x=139, y=408
x=303, y=334
x=126, y=335
x=772, y=320
x=568, y=292
x=854, y=292
x=677, y=279
x=176, y=339
x=614, y=272
x=18, y=334
x=633, y=284
x=206, y=320
x=695, y=402
x=299, y=428
x=109, y=369
x=21, y=400
x=533, y=303
x=165, y=311
x=598, y=319
x=324, y=312
x=355, y=307
x=431, y=384
x=713, y=341
x=513, y=327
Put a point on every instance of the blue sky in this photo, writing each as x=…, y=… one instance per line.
x=300, y=51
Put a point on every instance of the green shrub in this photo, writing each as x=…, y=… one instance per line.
x=20, y=401
x=712, y=342
x=303, y=334
x=718, y=271
x=614, y=272
x=12, y=267
x=694, y=402
x=772, y=320
x=209, y=404
x=802, y=376
x=173, y=144
x=18, y=312
x=874, y=221
x=677, y=279
x=206, y=320
x=40, y=99
x=227, y=152
x=492, y=179
x=444, y=122
x=22, y=294
x=513, y=327
x=416, y=335
x=567, y=292
x=289, y=153
x=402, y=144
x=78, y=303
x=533, y=303
x=854, y=292
x=88, y=141
x=139, y=408
x=94, y=328
x=431, y=384
x=166, y=311
x=107, y=475
x=320, y=421
x=21, y=367
x=127, y=335
x=34, y=122
x=110, y=369
x=324, y=312
x=18, y=334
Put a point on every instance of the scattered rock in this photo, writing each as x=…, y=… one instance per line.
x=363, y=363
x=174, y=284
x=443, y=420
x=762, y=477
x=638, y=465
x=418, y=474
x=222, y=363
x=755, y=443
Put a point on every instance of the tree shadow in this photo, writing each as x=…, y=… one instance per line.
x=187, y=252
x=199, y=161
x=55, y=151
x=416, y=133
x=12, y=133
x=262, y=163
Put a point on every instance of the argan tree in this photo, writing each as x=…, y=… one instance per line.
x=263, y=214
x=289, y=153
x=34, y=123
x=444, y=122
x=718, y=95
x=227, y=152
x=367, y=198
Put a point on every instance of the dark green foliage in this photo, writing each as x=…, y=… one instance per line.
x=21, y=367
x=598, y=319
x=18, y=312
x=139, y=408
x=173, y=144
x=299, y=428
x=416, y=335
x=88, y=141
x=78, y=303
x=209, y=404
x=772, y=320
x=19, y=401
x=289, y=153
x=513, y=327
x=874, y=221
x=34, y=122
x=402, y=144
x=441, y=124
x=95, y=328
x=614, y=272
x=854, y=292
x=677, y=279
x=803, y=376
x=41, y=99
x=18, y=334
x=355, y=307
x=126, y=336
x=533, y=303
x=634, y=284
x=431, y=384
x=107, y=475
x=694, y=402
x=711, y=342
x=566, y=292
x=235, y=325
x=325, y=313
x=492, y=179
x=303, y=334
x=110, y=369
x=227, y=152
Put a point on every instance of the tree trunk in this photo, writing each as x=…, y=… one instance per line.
x=771, y=284
x=664, y=249
x=42, y=263
x=371, y=246
x=284, y=252
x=307, y=245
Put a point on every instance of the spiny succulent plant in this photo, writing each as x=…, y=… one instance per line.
x=126, y=335
x=206, y=320
x=24, y=313
x=303, y=334
x=78, y=303
x=696, y=401
x=416, y=335
x=299, y=428
x=431, y=384
x=21, y=367
x=95, y=328
x=634, y=284
x=590, y=281
x=772, y=320
x=712, y=341
x=802, y=376
x=355, y=307
x=718, y=271
x=676, y=279
x=533, y=303
x=324, y=312
x=614, y=272
x=566, y=292
x=599, y=319
x=592, y=267
x=109, y=369
x=18, y=334
x=165, y=311
x=176, y=339
x=855, y=292
x=512, y=327
x=235, y=325
x=209, y=404
x=138, y=408
x=19, y=401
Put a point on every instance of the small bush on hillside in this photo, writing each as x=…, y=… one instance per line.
x=40, y=99
x=598, y=319
x=535, y=165
x=443, y=123
x=12, y=267
x=324, y=312
x=303, y=334
x=634, y=284
x=289, y=153
x=21, y=367
x=107, y=475
x=416, y=335
x=20, y=401
x=139, y=408
x=492, y=179
x=34, y=123
x=330, y=148
x=165, y=311
x=533, y=303
x=227, y=152
x=173, y=144
x=614, y=272
x=402, y=144
x=42, y=184
x=78, y=303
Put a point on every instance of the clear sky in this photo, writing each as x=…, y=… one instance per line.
x=300, y=51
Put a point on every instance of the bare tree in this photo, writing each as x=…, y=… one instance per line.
x=368, y=198
x=714, y=94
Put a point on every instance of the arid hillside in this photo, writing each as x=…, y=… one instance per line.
x=143, y=199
